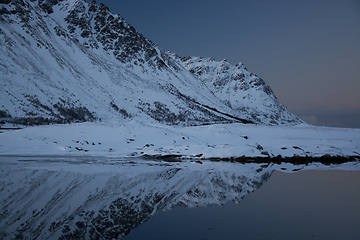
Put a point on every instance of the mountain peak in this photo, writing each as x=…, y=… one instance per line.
x=239, y=89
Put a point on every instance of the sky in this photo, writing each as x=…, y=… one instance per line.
x=307, y=51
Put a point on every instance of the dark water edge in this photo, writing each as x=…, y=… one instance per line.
x=296, y=160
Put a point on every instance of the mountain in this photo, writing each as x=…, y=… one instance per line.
x=74, y=61
x=238, y=88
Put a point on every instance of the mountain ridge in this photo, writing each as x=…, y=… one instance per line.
x=235, y=86
x=74, y=61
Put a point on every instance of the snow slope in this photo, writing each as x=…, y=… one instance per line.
x=74, y=61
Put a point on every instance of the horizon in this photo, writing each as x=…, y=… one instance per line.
x=306, y=51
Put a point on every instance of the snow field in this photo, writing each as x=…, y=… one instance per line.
x=135, y=139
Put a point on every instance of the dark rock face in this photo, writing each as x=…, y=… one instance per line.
x=46, y=5
x=98, y=25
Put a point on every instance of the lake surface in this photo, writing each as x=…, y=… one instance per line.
x=303, y=205
x=101, y=198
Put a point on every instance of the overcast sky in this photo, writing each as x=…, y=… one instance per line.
x=308, y=51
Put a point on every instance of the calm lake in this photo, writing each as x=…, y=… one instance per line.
x=99, y=198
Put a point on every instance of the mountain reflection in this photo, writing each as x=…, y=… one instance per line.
x=84, y=199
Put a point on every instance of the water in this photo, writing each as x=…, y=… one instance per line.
x=303, y=205
x=100, y=198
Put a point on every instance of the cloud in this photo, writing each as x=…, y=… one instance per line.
x=351, y=120
x=310, y=119
x=320, y=121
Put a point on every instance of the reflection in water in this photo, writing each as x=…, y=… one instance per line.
x=92, y=200
x=307, y=205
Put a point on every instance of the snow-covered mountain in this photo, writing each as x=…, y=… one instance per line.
x=70, y=60
x=238, y=88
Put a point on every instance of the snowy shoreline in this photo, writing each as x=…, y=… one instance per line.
x=231, y=142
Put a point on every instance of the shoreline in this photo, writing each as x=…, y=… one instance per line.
x=325, y=159
x=296, y=160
